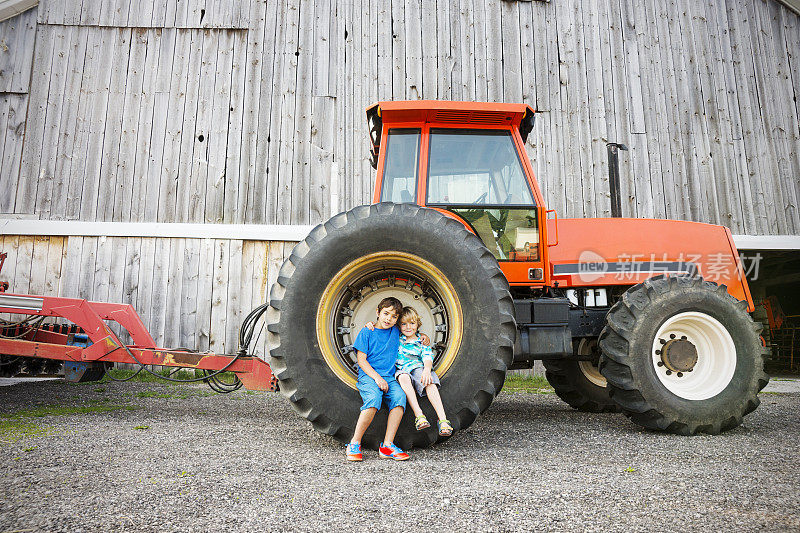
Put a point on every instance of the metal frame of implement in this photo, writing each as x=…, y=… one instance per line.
x=254, y=373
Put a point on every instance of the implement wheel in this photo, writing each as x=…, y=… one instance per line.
x=580, y=383
x=681, y=354
x=330, y=287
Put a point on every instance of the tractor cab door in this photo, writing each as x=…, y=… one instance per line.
x=477, y=175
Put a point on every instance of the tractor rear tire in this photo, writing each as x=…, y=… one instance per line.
x=681, y=354
x=579, y=383
x=330, y=286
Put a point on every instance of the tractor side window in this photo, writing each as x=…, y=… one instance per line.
x=401, y=166
x=475, y=167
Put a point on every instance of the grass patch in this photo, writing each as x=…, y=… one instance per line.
x=773, y=393
x=14, y=426
x=13, y=430
x=532, y=384
x=141, y=428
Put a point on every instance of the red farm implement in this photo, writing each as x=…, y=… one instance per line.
x=89, y=346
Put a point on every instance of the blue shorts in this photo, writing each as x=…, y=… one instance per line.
x=373, y=396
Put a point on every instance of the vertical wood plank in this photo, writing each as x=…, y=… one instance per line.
x=12, y=140
x=101, y=55
x=203, y=126
x=102, y=269
x=217, y=129
x=159, y=289
x=130, y=280
x=173, y=137
x=191, y=299
x=156, y=173
x=511, y=52
x=112, y=139
x=219, y=296
x=144, y=284
x=145, y=126
x=88, y=263
x=71, y=271
x=55, y=99
x=205, y=296
x=234, y=304
x=271, y=106
x=301, y=171
x=35, y=126
x=288, y=102
x=37, y=264
x=253, y=168
x=235, y=141
x=494, y=51
x=123, y=199
x=53, y=270
x=175, y=294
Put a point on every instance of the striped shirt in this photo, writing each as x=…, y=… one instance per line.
x=412, y=354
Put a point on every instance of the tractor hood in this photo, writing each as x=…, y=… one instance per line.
x=624, y=251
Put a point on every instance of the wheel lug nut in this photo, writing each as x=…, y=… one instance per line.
x=660, y=363
x=662, y=341
x=671, y=335
x=658, y=352
x=669, y=372
x=680, y=374
x=683, y=337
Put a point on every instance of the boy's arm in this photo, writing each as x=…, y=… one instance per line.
x=368, y=370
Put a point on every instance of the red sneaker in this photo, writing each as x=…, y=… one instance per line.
x=392, y=451
x=354, y=452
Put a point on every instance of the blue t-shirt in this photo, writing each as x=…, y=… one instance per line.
x=381, y=346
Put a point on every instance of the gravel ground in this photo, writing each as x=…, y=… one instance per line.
x=188, y=460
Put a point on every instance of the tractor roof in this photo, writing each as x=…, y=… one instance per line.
x=485, y=113
x=479, y=114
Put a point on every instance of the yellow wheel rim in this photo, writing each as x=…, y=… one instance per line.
x=356, y=287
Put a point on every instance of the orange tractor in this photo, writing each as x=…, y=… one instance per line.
x=648, y=317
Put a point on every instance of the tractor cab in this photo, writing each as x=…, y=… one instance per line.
x=468, y=161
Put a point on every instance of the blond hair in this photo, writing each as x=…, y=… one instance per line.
x=410, y=314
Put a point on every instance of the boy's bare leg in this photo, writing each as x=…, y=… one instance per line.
x=411, y=394
x=395, y=416
x=364, y=420
x=436, y=401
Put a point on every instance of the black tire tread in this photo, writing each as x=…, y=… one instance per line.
x=488, y=267
x=560, y=373
x=615, y=361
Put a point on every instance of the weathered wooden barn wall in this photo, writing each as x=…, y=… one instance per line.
x=253, y=112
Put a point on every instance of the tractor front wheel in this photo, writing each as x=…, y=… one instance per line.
x=681, y=354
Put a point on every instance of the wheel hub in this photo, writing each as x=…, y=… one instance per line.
x=679, y=355
x=351, y=298
x=694, y=355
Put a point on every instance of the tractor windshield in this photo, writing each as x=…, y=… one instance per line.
x=477, y=175
x=469, y=167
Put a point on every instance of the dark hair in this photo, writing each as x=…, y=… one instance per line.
x=392, y=302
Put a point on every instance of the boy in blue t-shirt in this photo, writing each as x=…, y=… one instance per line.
x=377, y=352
